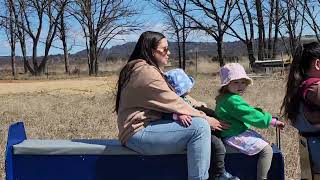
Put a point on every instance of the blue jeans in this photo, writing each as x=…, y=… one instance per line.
x=166, y=136
x=314, y=147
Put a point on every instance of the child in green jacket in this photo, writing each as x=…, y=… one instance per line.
x=182, y=84
x=230, y=107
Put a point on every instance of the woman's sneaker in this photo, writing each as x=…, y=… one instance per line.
x=226, y=176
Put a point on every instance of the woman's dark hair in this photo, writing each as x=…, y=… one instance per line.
x=148, y=41
x=302, y=59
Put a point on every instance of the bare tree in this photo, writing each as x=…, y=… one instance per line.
x=16, y=20
x=211, y=20
x=63, y=34
x=173, y=22
x=102, y=21
x=177, y=23
x=277, y=20
x=270, y=26
x=9, y=27
x=312, y=11
x=261, y=30
x=19, y=18
x=54, y=11
x=271, y=9
x=183, y=7
x=28, y=9
x=293, y=19
x=11, y=34
x=246, y=22
x=221, y=21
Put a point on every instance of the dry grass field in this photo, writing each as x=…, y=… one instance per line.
x=83, y=108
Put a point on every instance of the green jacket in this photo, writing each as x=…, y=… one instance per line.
x=240, y=115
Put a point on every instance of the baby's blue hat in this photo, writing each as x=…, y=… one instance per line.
x=179, y=80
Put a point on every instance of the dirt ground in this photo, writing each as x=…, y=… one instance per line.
x=74, y=86
x=59, y=109
x=83, y=108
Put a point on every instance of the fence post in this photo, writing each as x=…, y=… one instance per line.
x=196, y=62
x=282, y=71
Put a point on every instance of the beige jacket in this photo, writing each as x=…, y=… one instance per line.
x=145, y=98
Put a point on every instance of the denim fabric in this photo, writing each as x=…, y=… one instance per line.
x=166, y=136
x=314, y=148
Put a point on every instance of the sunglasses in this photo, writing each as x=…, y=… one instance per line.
x=163, y=51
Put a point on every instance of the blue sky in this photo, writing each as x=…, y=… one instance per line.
x=151, y=17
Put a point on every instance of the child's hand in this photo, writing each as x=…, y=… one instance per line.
x=280, y=125
x=184, y=119
x=276, y=123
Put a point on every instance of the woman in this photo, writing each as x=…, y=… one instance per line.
x=143, y=99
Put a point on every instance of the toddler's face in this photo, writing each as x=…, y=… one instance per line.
x=238, y=86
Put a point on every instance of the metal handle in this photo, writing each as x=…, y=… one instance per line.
x=278, y=138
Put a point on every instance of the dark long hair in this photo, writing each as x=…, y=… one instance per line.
x=303, y=57
x=148, y=41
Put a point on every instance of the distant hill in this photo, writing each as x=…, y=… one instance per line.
x=204, y=49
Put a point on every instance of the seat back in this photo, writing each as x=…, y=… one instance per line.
x=305, y=165
x=309, y=155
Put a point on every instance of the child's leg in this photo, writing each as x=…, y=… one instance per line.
x=218, y=153
x=264, y=162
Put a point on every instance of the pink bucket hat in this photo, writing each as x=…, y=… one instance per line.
x=233, y=71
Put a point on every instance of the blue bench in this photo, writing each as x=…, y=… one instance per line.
x=28, y=159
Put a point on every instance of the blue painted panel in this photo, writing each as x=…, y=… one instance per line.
x=118, y=167
x=113, y=167
x=168, y=167
x=16, y=135
x=245, y=168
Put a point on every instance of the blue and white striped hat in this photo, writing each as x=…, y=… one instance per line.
x=179, y=80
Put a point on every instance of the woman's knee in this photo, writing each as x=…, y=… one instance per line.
x=201, y=125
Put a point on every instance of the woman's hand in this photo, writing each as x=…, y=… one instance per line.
x=185, y=120
x=217, y=125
